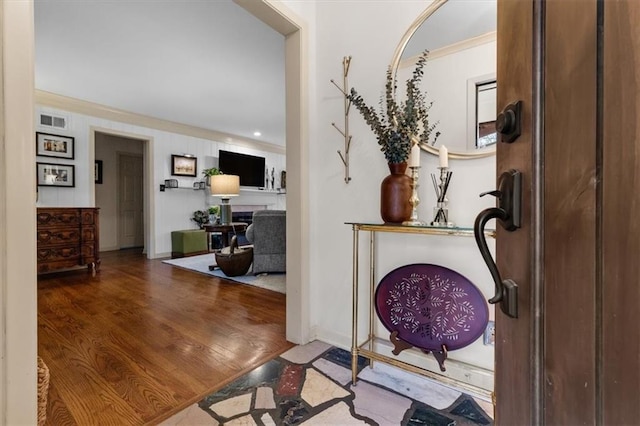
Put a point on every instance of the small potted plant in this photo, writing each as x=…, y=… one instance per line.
x=214, y=212
x=210, y=172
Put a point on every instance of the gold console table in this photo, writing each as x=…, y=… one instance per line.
x=366, y=348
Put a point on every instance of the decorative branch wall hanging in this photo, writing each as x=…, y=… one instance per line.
x=346, y=61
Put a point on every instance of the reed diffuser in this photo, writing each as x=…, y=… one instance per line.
x=441, y=211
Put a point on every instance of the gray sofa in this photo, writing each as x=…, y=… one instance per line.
x=268, y=234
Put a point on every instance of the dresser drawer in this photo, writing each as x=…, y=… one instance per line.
x=58, y=217
x=88, y=233
x=58, y=253
x=47, y=237
x=87, y=216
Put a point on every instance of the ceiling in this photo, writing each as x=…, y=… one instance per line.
x=208, y=64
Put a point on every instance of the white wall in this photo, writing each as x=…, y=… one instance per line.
x=171, y=209
x=446, y=81
x=369, y=32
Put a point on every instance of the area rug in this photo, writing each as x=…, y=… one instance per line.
x=311, y=385
x=201, y=263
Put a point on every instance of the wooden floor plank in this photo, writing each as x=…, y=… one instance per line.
x=142, y=340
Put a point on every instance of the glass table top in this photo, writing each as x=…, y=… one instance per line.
x=417, y=229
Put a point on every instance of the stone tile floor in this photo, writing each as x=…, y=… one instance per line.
x=311, y=385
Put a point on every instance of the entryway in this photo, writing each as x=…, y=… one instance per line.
x=120, y=191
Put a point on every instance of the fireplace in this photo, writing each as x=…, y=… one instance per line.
x=244, y=213
x=246, y=217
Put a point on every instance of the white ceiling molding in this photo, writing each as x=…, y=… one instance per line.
x=102, y=111
x=452, y=48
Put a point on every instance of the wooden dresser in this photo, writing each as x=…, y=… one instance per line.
x=67, y=237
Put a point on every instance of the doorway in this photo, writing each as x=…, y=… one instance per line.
x=298, y=307
x=18, y=402
x=121, y=190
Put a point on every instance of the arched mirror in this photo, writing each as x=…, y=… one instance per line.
x=460, y=75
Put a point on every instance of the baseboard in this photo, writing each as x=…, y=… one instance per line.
x=113, y=248
x=164, y=255
x=457, y=371
x=338, y=340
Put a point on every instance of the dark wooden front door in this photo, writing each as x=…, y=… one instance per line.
x=572, y=355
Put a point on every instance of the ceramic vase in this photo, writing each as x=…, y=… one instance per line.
x=395, y=193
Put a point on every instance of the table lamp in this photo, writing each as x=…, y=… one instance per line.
x=225, y=187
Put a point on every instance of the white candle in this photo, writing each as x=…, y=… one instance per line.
x=444, y=156
x=414, y=158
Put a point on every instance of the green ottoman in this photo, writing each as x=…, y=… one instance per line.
x=188, y=243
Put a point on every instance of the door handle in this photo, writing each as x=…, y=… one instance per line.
x=508, y=215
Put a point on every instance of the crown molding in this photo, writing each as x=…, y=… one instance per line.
x=452, y=48
x=79, y=106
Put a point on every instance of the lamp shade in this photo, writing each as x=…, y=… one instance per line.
x=225, y=185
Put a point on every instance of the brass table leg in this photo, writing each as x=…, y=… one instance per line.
x=372, y=284
x=354, y=311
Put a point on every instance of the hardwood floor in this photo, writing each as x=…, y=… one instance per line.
x=142, y=340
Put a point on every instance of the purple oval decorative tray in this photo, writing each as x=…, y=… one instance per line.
x=430, y=305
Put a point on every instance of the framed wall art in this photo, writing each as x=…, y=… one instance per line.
x=184, y=165
x=97, y=171
x=49, y=145
x=63, y=175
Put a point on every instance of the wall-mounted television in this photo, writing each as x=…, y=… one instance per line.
x=249, y=167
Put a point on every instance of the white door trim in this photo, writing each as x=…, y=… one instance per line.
x=18, y=297
x=281, y=19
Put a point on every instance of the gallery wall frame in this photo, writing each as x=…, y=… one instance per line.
x=50, y=145
x=184, y=165
x=61, y=175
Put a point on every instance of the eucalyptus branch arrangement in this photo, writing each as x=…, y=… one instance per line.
x=403, y=123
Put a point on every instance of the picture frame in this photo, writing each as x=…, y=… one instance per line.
x=50, y=145
x=184, y=165
x=62, y=175
x=97, y=171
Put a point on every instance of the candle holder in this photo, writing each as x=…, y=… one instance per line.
x=441, y=211
x=414, y=200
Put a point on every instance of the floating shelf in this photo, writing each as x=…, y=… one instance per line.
x=263, y=191
x=249, y=190
x=185, y=187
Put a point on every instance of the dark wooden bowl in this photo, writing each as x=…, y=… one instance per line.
x=236, y=261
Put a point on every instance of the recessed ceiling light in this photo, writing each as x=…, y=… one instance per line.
x=257, y=134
